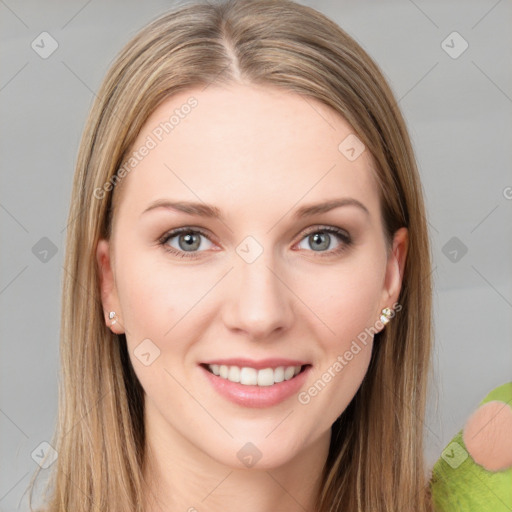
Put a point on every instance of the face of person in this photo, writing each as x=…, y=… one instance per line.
x=257, y=286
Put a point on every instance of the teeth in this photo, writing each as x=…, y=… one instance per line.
x=234, y=374
x=252, y=377
x=248, y=376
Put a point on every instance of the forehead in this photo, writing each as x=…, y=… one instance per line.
x=244, y=147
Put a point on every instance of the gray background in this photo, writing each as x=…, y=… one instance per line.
x=458, y=111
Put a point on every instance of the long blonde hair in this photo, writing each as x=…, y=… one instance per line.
x=375, y=460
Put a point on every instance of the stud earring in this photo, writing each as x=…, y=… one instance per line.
x=111, y=317
x=386, y=316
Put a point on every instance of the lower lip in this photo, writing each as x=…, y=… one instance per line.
x=256, y=396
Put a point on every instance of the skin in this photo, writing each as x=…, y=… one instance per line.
x=258, y=154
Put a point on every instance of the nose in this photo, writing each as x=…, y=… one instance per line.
x=258, y=300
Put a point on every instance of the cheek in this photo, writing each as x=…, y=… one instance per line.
x=154, y=303
x=149, y=295
x=161, y=300
x=345, y=299
x=345, y=302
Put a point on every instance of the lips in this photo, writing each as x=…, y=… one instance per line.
x=253, y=383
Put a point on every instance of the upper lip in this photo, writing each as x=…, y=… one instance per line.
x=258, y=365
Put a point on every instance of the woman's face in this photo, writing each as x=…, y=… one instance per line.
x=249, y=283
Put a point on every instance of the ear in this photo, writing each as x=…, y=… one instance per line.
x=109, y=298
x=395, y=268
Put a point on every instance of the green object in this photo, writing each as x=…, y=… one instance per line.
x=459, y=484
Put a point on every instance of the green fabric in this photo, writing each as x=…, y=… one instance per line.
x=459, y=484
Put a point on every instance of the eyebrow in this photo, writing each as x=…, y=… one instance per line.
x=210, y=211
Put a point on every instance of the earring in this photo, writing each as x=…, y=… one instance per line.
x=112, y=316
x=386, y=316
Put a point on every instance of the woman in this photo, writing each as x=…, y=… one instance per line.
x=247, y=297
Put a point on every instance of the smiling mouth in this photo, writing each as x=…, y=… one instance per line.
x=248, y=376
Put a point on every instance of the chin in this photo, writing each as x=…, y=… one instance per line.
x=264, y=454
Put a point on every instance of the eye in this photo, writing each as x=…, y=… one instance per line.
x=187, y=242
x=320, y=238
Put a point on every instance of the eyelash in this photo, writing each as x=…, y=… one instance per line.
x=342, y=235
